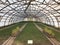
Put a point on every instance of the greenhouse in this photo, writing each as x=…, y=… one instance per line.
x=29, y=22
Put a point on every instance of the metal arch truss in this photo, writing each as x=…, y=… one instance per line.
x=15, y=10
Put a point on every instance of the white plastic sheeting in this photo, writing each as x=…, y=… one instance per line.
x=45, y=11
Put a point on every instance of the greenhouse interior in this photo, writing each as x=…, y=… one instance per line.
x=29, y=22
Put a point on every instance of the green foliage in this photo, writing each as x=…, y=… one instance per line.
x=15, y=31
x=54, y=33
x=49, y=31
x=6, y=32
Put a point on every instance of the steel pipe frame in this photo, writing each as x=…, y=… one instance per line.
x=9, y=4
x=53, y=15
x=56, y=11
x=50, y=17
x=57, y=2
x=8, y=11
x=13, y=20
x=50, y=13
x=10, y=19
x=56, y=17
x=14, y=10
x=11, y=15
x=46, y=15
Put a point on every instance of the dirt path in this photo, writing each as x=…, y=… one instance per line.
x=52, y=40
x=10, y=40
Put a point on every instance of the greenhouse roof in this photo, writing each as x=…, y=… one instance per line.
x=47, y=11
